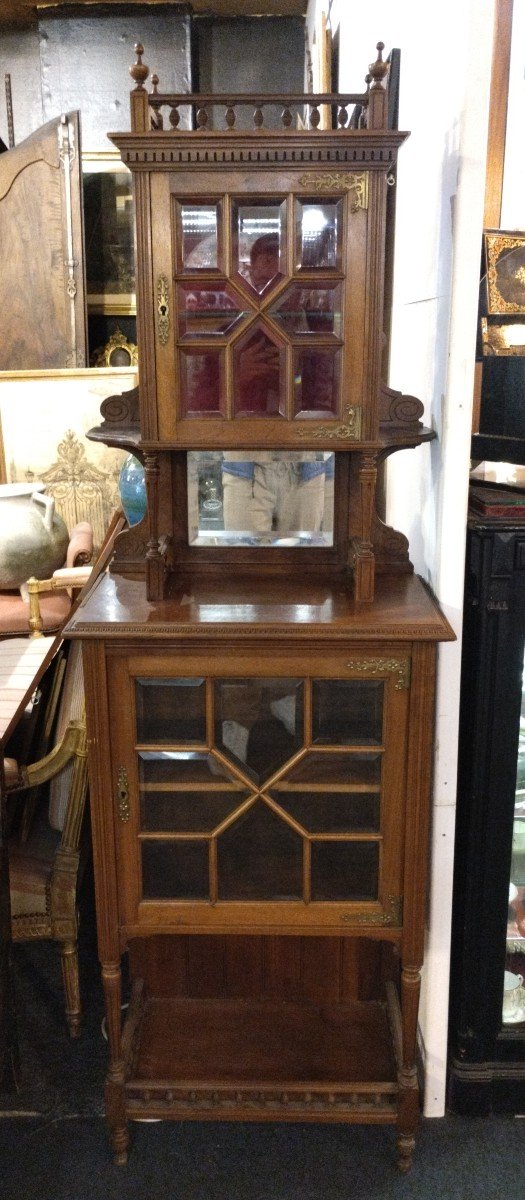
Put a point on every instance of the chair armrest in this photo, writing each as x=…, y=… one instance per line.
x=80, y=548
x=12, y=774
x=19, y=777
x=62, y=579
x=70, y=577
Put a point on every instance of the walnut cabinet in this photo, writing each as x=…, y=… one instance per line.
x=260, y=696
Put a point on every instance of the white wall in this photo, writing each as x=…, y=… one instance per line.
x=444, y=91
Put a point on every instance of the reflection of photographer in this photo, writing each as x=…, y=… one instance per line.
x=276, y=490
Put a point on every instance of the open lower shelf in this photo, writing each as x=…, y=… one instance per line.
x=259, y=1060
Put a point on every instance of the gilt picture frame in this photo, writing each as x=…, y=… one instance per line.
x=109, y=236
x=505, y=268
x=503, y=338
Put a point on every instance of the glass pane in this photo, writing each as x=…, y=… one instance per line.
x=359, y=770
x=318, y=232
x=259, y=722
x=200, y=383
x=277, y=498
x=175, y=870
x=306, y=310
x=183, y=766
x=171, y=710
x=332, y=812
x=317, y=381
x=259, y=858
x=186, y=812
x=199, y=224
x=513, y=988
x=259, y=243
x=210, y=310
x=259, y=372
x=347, y=711
x=345, y=870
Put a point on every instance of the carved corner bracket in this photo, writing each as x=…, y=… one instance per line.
x=398, y=411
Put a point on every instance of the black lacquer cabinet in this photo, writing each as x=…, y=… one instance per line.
x=487, y=1002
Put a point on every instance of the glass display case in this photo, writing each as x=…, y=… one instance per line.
x=487, y=998
x=513, y=1010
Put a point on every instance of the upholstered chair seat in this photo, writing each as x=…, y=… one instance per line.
x=55, y=603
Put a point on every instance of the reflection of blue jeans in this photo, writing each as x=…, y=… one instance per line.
x=274, y=495
x=303, y=470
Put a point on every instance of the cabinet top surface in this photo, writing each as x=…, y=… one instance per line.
x=201, y=606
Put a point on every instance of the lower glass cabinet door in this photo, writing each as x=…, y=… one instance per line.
x=272, y=792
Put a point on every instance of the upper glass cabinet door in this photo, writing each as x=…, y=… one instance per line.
x=261, y=326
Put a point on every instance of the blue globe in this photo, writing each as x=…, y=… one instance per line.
x=132, y=490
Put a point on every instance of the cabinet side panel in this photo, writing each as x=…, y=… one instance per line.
x=145, y=307
x=419, y=778
x=102, y=811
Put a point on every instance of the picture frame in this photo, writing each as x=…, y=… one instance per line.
x=109, y=235
x=502, y=338
x=505, y=271
x=117, y=352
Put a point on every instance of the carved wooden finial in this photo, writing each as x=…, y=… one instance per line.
x=379, y=68
x=139, y=71
x=155, y=83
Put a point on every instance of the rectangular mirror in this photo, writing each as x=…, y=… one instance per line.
x=282, y=498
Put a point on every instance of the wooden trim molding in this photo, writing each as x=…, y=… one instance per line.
x=499, y=90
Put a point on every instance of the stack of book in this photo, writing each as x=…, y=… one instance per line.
x=494, y=500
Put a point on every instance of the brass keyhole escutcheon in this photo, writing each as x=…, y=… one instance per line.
x=163, y=309
x=122, y=794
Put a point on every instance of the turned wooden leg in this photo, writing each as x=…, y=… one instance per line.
x=115, y=1099
x=405, y=1146
x=69, y=961
x=408, y=1115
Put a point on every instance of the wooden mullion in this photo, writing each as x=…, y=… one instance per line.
x=243, y=777
x=171, y=748
x=336, y=748
x=171, y=836
x=213, y=871
x=234, y=816
x=213, y=786
x=284, y=816
x=307, y=870
x=210, y=714
x=307, y=701
x=322, y=788
x=346, y=837
x=290, y=762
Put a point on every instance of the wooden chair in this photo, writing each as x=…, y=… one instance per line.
x=55, y=598
x=46, y=862
x=45, y=868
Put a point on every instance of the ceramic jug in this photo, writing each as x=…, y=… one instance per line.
x=33, y=538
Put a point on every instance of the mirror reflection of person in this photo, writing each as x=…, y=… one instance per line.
x=277, y=490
